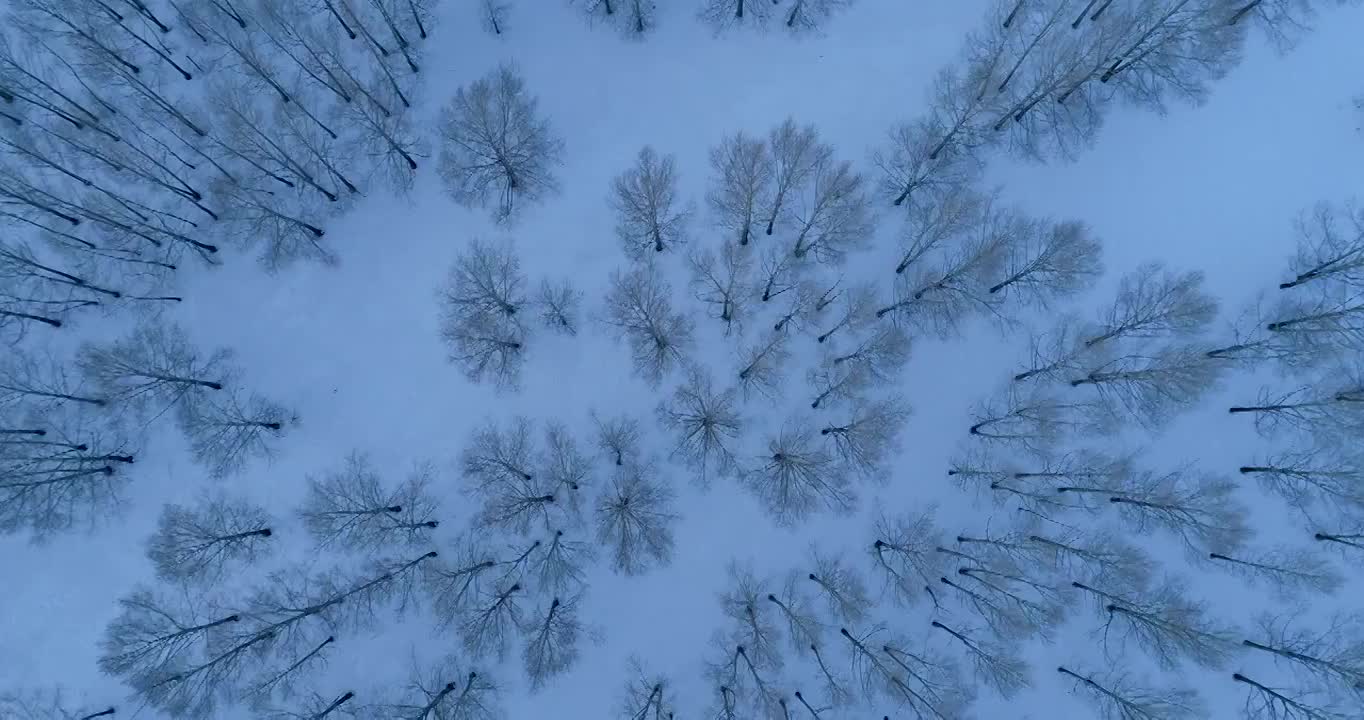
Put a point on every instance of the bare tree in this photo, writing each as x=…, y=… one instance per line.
x=993, y=664
x=496, y=147
x=200, y=543
x=1329, y=408
x=618, y=438
x=913, y=162
x=559, y=304
x=1288, y=571
x=447, y=690
x=1330, y=656
x=1057, y=354
x=350, y=507
x=1047, y=261
x=493, y=15
x=904, y=554
x=779, y=272
x=707, y=424
x=487, y=347
x=1152, y=386
x=840, y=586
x=1121, y=697
x=832, y=216
x=855, y=306
x=517, y=503
x=1165, y=622
x=835, y=383
x=226, y=429
x=795, y=606
x=1199, y=508
x=156, y=362
x=649, y=214
x=635, y=518
x=795, y=478
x=1327, y=324
x=76, y=476
x=185, y=662
x=882, y=354
x=742, y=169
x=724, y=15
x=809, y=15
x=564, y=468
x=1319, y=475
x=1154, y=302
x=46, y=705
x=943, y=216
x=457, y=579
x=491, y=619
x=722, y=283
x=863, y=436
x=1271, y=703
x=938, y=299
x=763, y=366
x=1099, y=556
x=314, y=707
x=42, y=380
x=1248, y=343
x=497, y=456
x=551, y=641
x=1035, y=418
x=796, y=156
x=485, y=279
x=647, y=696
x=639, y=309
x=561, y=563
x=1328, y=253
x=921, y=679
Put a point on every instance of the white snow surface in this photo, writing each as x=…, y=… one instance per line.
x=355, y=348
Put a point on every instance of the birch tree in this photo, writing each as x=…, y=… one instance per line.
x=1118, y=696
x=1154, y=302
x=649, y=215
x=763, y=365
x=551, y=641
x=154, y=364
x=722, y=283
x=199, y=544
x=797, y=153
x=706, y=423
x=1151, y=387
x=904, y=554
x=992, y=664
x=863, y=436
x=1048, y=261
x=227, y=429
x=796, y=478
x=639, y=310
x=635, y=518
x=1330, y=655
x=1330, y=248
x=496, y=148
x=1199, y=508
x=742, y=170
x=350, y=507
x=76, y=478
x=1288, y=571
x=1164, y=622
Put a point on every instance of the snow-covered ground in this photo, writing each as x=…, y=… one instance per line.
x=356, y=348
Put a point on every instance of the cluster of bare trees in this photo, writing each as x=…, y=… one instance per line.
x=135, y=134
x=69, y=430
x=484, y=308
x=794, y=16
x=1040, y=76
x=1148, y=355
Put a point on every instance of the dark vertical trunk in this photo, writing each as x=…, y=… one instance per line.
x=1241, y=12
x=101, y=713
x=1013, y=14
